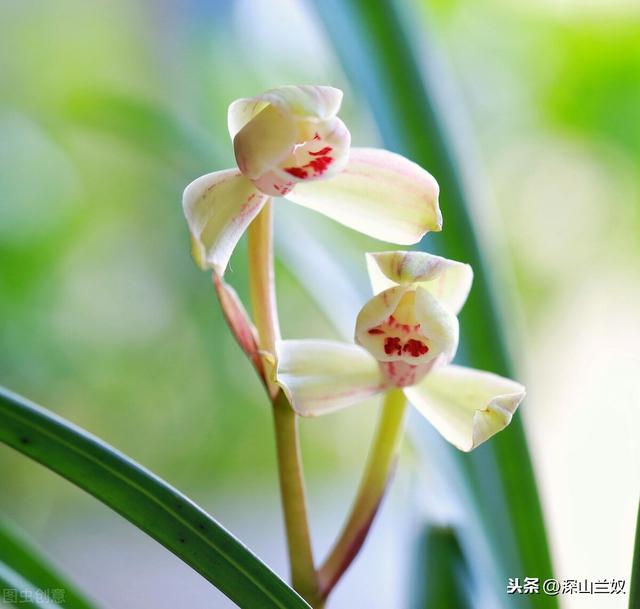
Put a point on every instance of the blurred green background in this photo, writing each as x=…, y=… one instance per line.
x=108, y=109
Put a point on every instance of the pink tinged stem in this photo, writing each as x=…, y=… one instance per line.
x=380, y=464
x=292, y=487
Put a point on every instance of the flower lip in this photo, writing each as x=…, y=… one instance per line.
x=407, y=324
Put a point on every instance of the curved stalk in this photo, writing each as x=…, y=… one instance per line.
x=380, y=464
x=292, y=488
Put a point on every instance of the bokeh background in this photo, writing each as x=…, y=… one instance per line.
x=108, y=109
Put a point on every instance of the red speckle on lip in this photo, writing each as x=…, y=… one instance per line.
x=297, y=172
x=320, y=164
x=376, y=331
x=317, y=165
x=415, y=347
x=325, y=150
x=392, y=345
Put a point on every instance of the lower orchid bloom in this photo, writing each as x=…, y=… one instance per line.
x=289, y=142
x=407, y=335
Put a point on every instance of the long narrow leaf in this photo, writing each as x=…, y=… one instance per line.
x=145, y=500
x=16, y=591
x=442, y=578
x=377, y=51
x=21, y=556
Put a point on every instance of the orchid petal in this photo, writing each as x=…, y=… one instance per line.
x=439, y=324
x=466, y=406
x=320, y=376
x=378, y=193
x=449, y=281
x=420, y=318
x=306, y=101
x=265, y=142
x=219, y=207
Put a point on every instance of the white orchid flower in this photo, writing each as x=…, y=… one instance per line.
x=407, y=335
x=289, y=141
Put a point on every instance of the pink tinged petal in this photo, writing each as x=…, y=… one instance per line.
x=378, y=193
x=449, y=281
x=305, y=101
x=403, y=324
x=320, y=376
x=403, y=374
x=239, y=322
x=219, y=207
x=466, y=406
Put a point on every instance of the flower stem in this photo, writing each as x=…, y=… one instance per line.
x=262, y=283
x=303, y=573
x=380, y=463
x=292, y=489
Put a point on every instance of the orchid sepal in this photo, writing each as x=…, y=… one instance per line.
x=466, y=406
x=219, y=207
x=321, y=376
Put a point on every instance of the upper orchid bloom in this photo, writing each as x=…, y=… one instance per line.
x=407, y=335
x=289, y=141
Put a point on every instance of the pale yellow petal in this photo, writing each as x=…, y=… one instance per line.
x=438, y=323
x=305, y=101
x=219, y=207
x=448, y=280
x=378, y=193
x=466, y=406
x=320, y=376
x=265, y=142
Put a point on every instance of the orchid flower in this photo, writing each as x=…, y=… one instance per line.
x=289, y=142
x=407, y=335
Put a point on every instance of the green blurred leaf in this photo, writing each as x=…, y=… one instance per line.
x=375, y=45
x=19, y=592
x=442, y=575
x=21, y=556
x=154, y=130
x=145, y=500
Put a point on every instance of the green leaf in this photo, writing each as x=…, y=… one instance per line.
x=19, y=592
x=20, y=555
x=634, y=594
x=442, y=576
x=376, y=48
x=145, y=500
